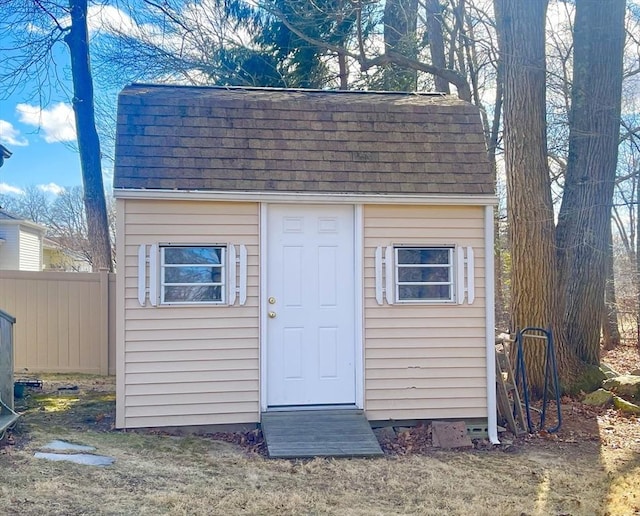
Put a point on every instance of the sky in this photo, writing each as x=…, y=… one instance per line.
x=42, y=135
x=42, y=142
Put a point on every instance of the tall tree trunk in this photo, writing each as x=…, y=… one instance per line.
x=344, y=72
x=400, y=24
x=492, y=132
x=610, y=331
x=636, y=262
x=436, y=42
x=585, y=214
x=521, y=25
x=77, y=40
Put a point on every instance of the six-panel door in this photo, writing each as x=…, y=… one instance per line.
x=310, y=308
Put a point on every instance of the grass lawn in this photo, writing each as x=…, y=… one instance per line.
x=157, y=474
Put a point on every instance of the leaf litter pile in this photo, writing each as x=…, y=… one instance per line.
x=591, y=466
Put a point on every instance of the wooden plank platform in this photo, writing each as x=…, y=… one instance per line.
x=6, y=420
x=319, y=433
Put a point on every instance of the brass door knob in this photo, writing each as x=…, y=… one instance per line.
x=272, y=315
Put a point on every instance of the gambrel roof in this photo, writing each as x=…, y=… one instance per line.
x=258, y=139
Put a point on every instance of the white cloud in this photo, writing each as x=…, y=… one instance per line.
x=110, y=19
x=8, y=189
x=208, y=22
x=57, y=122
x=51, y=188
x=10, y=135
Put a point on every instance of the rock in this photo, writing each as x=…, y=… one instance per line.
x=599, y=398
x=450, y=434
x=385, y=433
x=625, y=406
x=624, y=385
x=635, y=372
x=588, y=381
x=608, y=370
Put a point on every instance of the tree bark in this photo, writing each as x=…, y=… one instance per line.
x=436, y=42
x=610, y=331
x=585, y=214
x=400, y=24
x=529, y=206
x=77, y=40
x=636, y=261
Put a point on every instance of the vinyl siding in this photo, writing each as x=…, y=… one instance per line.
x=424, y=361
x=30, y=250
x=10, y=248
x=187, y=365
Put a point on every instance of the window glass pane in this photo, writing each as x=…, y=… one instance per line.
x=185, y=294
x=422, y=292
x=423, y=256
x=192, y=274
x=192, y=255
x=423, y=274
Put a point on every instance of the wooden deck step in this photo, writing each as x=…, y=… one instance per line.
x=319, y=433
x=6, y=420
x=7, y=416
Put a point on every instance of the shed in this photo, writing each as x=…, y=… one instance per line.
x=302, y=249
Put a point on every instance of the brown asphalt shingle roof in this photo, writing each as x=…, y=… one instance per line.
x=252, y=139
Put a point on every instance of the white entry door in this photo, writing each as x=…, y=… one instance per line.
x=310, y=309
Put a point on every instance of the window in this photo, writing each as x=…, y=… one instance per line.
x=424, y=274
x=192, y=274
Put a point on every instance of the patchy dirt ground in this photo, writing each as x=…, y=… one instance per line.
x=591, y=466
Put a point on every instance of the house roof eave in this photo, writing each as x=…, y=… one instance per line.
x=315, y=197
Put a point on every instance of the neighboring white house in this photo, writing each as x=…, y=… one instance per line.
x=20, y=243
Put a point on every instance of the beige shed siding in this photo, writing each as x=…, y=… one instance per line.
x=190, y=365
x=30, y=250
x=10, y=248
x=424, y=361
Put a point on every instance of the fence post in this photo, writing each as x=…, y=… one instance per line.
x=104, y=322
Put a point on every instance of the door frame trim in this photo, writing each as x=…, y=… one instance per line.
x=358, y=237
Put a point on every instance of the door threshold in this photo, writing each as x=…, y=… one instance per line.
x=290, y=408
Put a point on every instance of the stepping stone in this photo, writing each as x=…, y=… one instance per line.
x=77, y=458
x=57, y=445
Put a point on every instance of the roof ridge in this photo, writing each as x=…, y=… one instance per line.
x=4, y=214
x=290, y=90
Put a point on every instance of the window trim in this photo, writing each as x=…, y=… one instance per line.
x=451, y=265
x=223, y=266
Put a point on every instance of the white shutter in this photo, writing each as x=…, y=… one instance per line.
x=153, y=274
x=231, y=274
x=378, y=275
x=460, y=275
x=243, y=274
x=142, y=274
x=471, y=282
x=389, y=274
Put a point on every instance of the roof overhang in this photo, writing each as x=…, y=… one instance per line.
x=317, y=198
x=4, y=154
x=25, y=224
